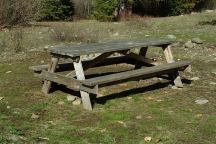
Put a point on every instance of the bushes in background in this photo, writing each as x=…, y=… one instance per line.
x=56, y=10
x=104, y=9
x=164, y=7
x=82, y=8
x=17, y=12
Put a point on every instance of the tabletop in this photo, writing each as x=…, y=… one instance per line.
x=85, y=49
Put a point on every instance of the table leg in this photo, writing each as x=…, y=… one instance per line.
x=80, y=76
x=52, y=67
x=142, y=52
x=169, y=58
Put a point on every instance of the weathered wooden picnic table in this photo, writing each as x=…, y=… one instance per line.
x=76, y=78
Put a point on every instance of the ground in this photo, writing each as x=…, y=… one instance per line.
x=130, y=112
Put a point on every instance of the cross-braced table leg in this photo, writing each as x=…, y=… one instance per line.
x=80, y=76
x=52, y=67
x=169, y=58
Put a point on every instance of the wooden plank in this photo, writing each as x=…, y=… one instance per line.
x=140, y=58
x=144, y=72
x=71, y=83
x=92, y=63
x=85, y=49
x=80, y=76
x=52, y=67
x=98, y=60
x=67, y=66
x=169, y=58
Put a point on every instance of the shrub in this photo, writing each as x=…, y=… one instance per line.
x=104, y=9
x=82, y=8
x=56, y=10
x=206, y=4
x=164, y=7
x=16, y=12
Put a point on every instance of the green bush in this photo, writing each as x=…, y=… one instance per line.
x=104, y=9
x=164, y=7
x=205, y=4
x=56, y=10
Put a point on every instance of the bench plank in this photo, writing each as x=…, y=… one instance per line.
x=144, y=72
x=72, y=83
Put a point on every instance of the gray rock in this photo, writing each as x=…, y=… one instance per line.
x=34, y=116
x=171, y=37
x=60, y=103
x=139, y=117
x=201, y=101
x=212, y=83
x=14, y=138
x=189, y=44
x=195, y=78
x=197, y=41
x=214, y=73
x=77, y=102
x=71, y=98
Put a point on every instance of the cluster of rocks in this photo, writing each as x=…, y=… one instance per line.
x=192, y=43
x=189, y=44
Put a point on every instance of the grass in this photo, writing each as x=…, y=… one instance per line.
x=133, y=110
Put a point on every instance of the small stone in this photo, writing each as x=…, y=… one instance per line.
x=13, y=138
x=174, y=87
x=189, y=44
x=209, y=11
x=129, y=98
x=8, y=107
x=171, y=37
x=52, y=123
x=147, y=139
x=122, y=123
x=77, y=102
x=116, y=34
x=201, y=101
x=46, y=47
x=34, y=116
x=214, y=73
x=44, y=138
x=195, y=78
x=8, y=72
x=212, y=83
x=42, y=61
x=198, y=115
x=158, y=140
x=149, y=117
x=60, y=103
x=159, y=100
x=103, y=130
x=71, y=98
x=139, y=117
x=197, y=41
x=1, y=98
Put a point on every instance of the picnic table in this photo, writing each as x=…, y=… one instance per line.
x=76, y=79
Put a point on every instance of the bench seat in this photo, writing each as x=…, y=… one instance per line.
x=146, y=72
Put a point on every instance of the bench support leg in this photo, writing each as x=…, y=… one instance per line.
x=142, y=52
x=52, y=67
x=80, y=76
x=169, y=58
